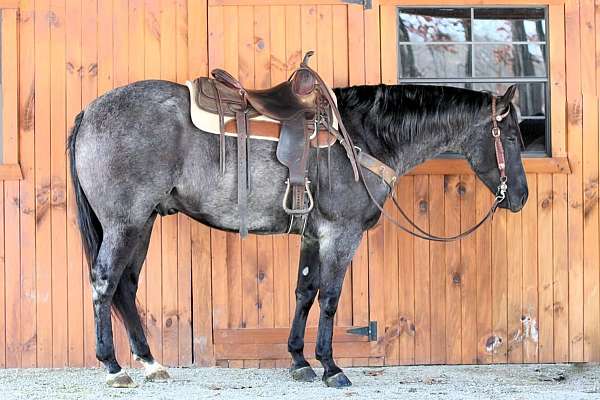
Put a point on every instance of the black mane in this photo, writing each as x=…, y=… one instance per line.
x=400, y=113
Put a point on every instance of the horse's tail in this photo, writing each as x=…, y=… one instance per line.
x=89, y=225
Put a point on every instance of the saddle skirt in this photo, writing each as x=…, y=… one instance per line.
x=259, y=126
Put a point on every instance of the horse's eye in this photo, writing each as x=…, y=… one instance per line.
x=511, y=139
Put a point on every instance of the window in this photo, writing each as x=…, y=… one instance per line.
x=482, y=48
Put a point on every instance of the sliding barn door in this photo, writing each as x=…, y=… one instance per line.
x=253, y=280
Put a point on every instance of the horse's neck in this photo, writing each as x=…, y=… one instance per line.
x=408, y=154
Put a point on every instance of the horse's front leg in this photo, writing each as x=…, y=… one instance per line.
x=337, y=247
x=306, y=291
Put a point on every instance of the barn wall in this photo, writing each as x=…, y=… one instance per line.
x=434, y=303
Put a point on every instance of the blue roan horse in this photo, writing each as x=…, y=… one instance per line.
x=135, y=154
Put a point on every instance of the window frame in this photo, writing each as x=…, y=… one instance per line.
x=557, y=161
x=10, y=168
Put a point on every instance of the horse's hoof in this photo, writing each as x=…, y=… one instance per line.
x=338, y=380
x=303, y=374
x=156, y=373
x=120, y=380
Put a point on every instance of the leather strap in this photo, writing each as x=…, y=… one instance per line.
x=387, y=174
x=221, y=129
x=242, y=154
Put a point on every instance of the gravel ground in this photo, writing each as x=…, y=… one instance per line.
x=435, y=382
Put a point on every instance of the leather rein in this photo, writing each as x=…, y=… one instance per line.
x=499, y=197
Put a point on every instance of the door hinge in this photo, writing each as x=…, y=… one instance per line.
x=370, y=331
x=367, y=4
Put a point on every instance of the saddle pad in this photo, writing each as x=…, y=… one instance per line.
x=209, y=122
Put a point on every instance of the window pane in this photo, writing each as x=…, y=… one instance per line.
x=435, y=61
x=531, y=102
x=506, y=60
x=435, y=25
x=530, y=97
x=509, y=25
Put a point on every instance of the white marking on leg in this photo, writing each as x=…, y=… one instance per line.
x=153, y=370
x=305, y=271
x=120, y=380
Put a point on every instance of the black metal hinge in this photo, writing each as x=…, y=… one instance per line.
x=369, y=330
x=367, y=4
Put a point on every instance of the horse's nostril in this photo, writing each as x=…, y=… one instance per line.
x=524, y=198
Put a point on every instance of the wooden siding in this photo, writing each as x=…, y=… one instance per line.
x=531, y=280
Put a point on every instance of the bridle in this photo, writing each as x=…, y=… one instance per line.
x=499, y=196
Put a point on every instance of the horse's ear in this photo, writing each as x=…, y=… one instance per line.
x=507, y=98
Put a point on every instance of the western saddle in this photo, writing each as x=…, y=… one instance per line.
x=303, y=105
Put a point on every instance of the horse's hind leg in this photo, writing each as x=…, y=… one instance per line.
x=124, y=301
x=306, y=290
x=114, y=256
x=337, y=248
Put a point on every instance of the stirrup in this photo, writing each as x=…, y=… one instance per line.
x=302, y=210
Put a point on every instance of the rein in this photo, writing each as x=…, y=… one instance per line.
x=499, y=197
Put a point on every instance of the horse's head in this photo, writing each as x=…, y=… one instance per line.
x=481, y=151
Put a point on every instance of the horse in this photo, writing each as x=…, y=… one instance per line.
x=135, y=154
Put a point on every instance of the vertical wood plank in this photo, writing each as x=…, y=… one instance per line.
x=43, y=251
x=468, y=279
x=572, y=311
x=11, y=244
x=483, y=238
x=545, y=275
x=11, y=266
x=514, y=258
x=561, y=281
x=530, y=271
x=453, y=270
x=500, y=286
x=27, y=185
x=74, y=260
x=437, y=266
x=4, y=334
x=590, y=44
x=421, y=267
x=591, y=239
x=406, y=276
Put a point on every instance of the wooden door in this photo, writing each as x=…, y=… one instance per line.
x=253, y=280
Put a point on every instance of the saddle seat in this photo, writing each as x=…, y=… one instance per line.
x=282, y=102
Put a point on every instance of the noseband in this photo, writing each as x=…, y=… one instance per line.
x=499, y=197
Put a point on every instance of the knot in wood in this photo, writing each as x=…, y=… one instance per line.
x=456, y=278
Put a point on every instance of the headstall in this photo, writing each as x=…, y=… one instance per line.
x=499, y=196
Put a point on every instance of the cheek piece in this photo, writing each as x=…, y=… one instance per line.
x=500, y=159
